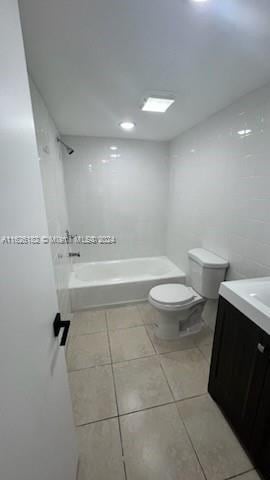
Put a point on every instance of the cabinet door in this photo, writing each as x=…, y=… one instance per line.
x=237, y=368
x=261, y=434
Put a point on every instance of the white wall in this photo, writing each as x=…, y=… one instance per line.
x=125, y=196
x=37, y=439
x=220, y=188
x=51, y=166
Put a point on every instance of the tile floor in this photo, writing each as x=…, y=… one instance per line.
x=141, y=405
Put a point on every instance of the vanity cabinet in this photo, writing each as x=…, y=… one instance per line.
x=261, y=432
x=240, y=380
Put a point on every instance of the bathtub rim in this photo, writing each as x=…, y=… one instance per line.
x=76, y=283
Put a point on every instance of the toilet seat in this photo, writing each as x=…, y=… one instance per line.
x=173, y=296
x=172, y=293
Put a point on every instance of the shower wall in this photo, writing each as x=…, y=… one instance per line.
x=121, y=192
x=51, y=166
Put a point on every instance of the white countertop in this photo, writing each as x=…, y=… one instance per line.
x=251, y=297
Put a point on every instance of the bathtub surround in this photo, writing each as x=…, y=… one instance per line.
x=51, y=166
x=121, y=192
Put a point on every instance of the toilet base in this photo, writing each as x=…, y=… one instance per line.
x=174, y=325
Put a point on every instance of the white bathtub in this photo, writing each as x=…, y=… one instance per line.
x=120, y=281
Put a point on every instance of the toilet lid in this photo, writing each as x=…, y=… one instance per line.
x=172, y=293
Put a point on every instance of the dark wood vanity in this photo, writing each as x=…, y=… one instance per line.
x=240, y=381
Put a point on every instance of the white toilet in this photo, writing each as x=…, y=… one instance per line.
x=179, y=307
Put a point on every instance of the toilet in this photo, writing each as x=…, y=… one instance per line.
x=179, y=307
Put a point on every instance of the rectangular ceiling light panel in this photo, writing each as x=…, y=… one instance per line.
x=157, y=105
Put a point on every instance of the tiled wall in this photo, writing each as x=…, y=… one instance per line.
x=219, y=191
x=124, y=195
x=51, y=166
x=220, y=188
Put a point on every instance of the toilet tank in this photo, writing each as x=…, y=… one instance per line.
x=207, y=271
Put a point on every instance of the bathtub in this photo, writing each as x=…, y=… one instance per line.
x=115, y=282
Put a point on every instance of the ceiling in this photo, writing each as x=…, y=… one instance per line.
x=95, y=60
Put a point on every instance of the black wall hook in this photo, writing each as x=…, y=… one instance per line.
x=57, y=325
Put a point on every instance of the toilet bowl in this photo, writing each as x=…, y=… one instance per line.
x=179, y=307
x=178, y=310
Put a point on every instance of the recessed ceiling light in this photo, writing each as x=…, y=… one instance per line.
x=248, y=131
x=113, y=147
x=200, y=1
x=157, y=104
x=128, y=126
x=115, y=155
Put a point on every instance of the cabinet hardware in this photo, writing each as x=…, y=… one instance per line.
x=261, y=347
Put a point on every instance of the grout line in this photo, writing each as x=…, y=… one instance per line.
x=172, y=402
x=184, y=399
x=239, y=475
x=205, y=394
x=90, y=366
x=96, y=421
x=164, y=373
x=84, y=334
x=149, y=336
x=122, y=448
x=150, y=355
x=204, y=356
x=154, y=355
x=125, y=328
x=178, y=350
x=113, y=376
x=136, y=326
x=107, y=327
x=194, y=346
x=182, y=350
x=192, y=445
x=116, y=400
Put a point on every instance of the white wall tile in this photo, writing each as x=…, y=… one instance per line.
x=220, y=188
x=51, y=167
x=124, y=196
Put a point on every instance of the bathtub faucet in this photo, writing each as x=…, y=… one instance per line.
x=73, y=254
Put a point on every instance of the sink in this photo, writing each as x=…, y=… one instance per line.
x=262, y=294
x=251, y=297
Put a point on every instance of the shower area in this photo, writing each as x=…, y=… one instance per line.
x=110, y=188
x=117, y=189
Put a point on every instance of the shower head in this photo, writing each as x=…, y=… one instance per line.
x=68, y=149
